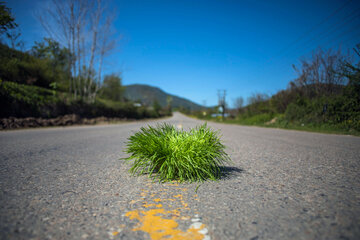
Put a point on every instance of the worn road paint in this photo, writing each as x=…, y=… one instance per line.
x=158, y=227
x=160, y=219
x=114, y=232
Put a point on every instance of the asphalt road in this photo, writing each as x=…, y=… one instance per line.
x=68, y=183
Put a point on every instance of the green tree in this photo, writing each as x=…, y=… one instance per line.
x=56, y=59
x=352, y=71
x=258, y=103
x=7, y=21
x=156, y=107
x=169, y=101
x=350, y=100
x=8, y=27
x=51, y=49
x=21, y=67
x=112, y=88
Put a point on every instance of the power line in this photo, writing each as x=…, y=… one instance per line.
x=334, y=28
x=352, y=37
x=343, y=33
x=307, y=33
x=281, y=52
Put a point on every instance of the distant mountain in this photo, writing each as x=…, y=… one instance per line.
x=147, y=94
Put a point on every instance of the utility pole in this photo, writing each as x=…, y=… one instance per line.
x=222, y=101
x=204, y=110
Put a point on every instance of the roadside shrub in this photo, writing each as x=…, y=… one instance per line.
x=21, y=67
x=167, y=153
x=294, y=112
x=257, y=119
x=19, y=100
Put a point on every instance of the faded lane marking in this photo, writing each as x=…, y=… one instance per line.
x=162, y=216
x=114, y=232
x=158, y=227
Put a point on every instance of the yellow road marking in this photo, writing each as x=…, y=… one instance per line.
x=162, y=222
x=153, y=223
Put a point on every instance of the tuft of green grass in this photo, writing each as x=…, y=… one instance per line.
x=167, y=153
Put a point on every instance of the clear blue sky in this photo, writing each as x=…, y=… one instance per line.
x=192, y=48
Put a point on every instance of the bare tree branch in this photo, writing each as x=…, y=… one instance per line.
x=84, y=27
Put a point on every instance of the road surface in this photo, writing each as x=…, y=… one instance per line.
x=69, y=183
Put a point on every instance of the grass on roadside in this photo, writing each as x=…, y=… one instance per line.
x=279, y=121
x=167, y=153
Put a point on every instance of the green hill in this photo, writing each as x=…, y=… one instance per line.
x=147, y=94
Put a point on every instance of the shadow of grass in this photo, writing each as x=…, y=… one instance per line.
x=228, y=172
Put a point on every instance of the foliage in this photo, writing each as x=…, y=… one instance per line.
x=112, y=88
x=34, y=83
x=280, y=101
x=258, y=104
x=8, y=26
x=19, y=100
x=56, y=59
x=256, y=119
x=7, y=21
x=85, y=26
x=325, y=97
x=156, y=107
x=318, y=74
x=238, y=103
x=341, y=108
x=34, y=86
x=170, y=154
x=23, y=68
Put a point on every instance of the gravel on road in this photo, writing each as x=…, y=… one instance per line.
x=69, y=183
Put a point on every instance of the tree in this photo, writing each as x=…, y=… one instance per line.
x=14, y=37
x=352, y=90
x=8, y=27
x=352, y=71
x=156, y=107
x=318, y=74
x=112, y=88
x=56, y=58
x=169, y=101
x=257, y=98
x=51, y=50
x=258, y=103
x=238, y=103
x=7, y=21
x=84, y=27
x=280, y=100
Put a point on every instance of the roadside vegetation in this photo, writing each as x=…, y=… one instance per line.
x=52, y=79
x=167, y=153
x=324, y=98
